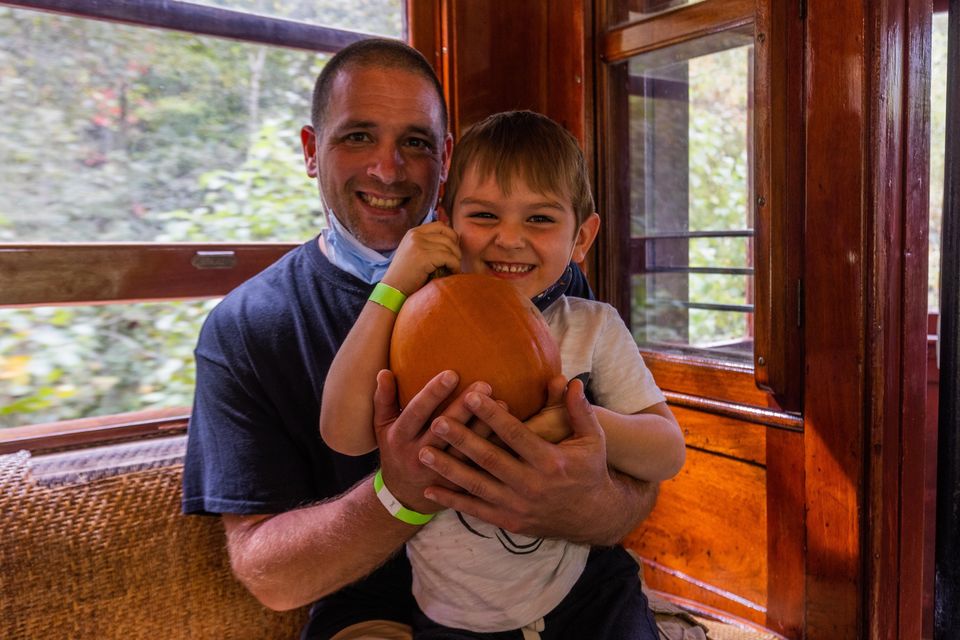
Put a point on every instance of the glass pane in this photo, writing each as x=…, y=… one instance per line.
x=118, y=133
x=938, y=136
x=61, y=363
x=382, y=17
x=690, y=120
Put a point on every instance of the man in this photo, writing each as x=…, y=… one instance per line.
x=303, y=523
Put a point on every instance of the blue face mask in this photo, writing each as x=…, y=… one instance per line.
x=344, y=251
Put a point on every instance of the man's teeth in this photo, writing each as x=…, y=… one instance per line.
x=382, y=203
x=511, y=268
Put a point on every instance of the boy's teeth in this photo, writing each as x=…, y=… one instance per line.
x=511, y=268
x=382, y=203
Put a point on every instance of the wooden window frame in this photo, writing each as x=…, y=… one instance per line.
x=131, y=272
x=770, y=391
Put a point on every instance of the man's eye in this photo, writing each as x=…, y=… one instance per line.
x=356, y=136
x=419, y=143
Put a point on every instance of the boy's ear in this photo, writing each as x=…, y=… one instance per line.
x=442, y=215
x=586, y=234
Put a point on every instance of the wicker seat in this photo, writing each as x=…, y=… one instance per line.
x=94, y=546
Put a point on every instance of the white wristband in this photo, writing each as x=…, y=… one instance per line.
x=393, y=505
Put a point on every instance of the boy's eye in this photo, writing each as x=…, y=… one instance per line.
x=541, y=219
x=482, y=215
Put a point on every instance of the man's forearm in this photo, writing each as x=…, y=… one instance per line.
x=616, y=513
x=291, y=559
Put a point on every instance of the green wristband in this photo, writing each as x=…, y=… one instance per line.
x=386, y=296
x=393, y=505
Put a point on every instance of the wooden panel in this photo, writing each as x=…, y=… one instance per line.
x=424, y=31
x=94, y=431
x=34, y=274
x=500, y=55
x=724, y=436
x=715, y=379
x=686, y=23
x=707, y=540
x=212, y=21
x=834, y=272
x=778, y=197
x=786, y=542
x=915, y=461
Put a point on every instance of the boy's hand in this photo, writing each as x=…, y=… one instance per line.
x=422, y=251
x=553, y=422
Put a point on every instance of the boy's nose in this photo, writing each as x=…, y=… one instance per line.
x=509, y=238
x=387, y=165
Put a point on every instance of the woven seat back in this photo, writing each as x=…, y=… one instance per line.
x=112, y=557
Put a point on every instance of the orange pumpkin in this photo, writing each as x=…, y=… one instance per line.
x=482, y=328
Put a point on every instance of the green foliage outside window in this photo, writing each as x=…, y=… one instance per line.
x=113, y=133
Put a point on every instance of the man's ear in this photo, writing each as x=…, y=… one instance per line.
x=586, y=234
x=308, y=140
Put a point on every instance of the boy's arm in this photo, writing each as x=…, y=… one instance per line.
x=346, y=415
x=346, y=411
x=648, y=445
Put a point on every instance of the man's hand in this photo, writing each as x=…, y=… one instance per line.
x=401, y=435
x=562, y=490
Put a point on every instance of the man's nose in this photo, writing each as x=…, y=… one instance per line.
x=387, y=164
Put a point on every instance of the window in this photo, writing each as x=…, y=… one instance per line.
x=938, y=135
x=690, y=116
x=150, y=162
x=701, y=184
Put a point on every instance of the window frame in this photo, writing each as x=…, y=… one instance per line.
x=33, y=273
x=774, y=382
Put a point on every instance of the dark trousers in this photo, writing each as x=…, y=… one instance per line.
x=606, y=603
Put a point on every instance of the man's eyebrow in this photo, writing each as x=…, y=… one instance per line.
x=426, y=132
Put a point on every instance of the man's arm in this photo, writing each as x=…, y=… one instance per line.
x=563, y=490
x=290, y=559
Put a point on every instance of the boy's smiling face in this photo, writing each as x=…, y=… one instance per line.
x=525, y=237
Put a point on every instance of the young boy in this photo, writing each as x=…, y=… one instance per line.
x=519, y=208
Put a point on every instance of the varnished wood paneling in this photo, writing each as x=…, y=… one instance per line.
x=35, y=274
x=708, y=535
x=778, y=202
x=834, y=314
x=519, y=55
x=96, y=430
x=729, y=381
x=683, y=24
x=424, y=31
x=196, y=18
x=724, y=436
x=786, y=538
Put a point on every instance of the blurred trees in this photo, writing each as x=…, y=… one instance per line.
x=117, y=133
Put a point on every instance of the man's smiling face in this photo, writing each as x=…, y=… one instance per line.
x=382, y=152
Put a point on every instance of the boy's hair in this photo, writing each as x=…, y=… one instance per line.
x=527, y=145
x=376, y=53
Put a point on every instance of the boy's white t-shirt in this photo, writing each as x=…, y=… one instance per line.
x=471, y=575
